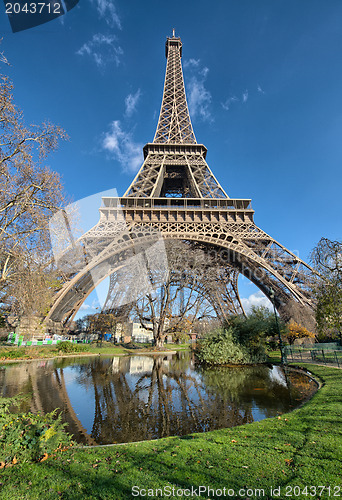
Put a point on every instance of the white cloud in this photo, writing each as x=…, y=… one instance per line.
x=228, y=102
x=199, y=98
x=84, y=307
x=103, y=49
x=131, y=102
x=107, y=11
x=191, y=63
x=260, y=90
x=256, y=299
x=92, y=307
x=120, y=144
x=204, y=72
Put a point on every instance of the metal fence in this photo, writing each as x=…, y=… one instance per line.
x=325, y=356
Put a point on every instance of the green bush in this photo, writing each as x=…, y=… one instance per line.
x=260, y=324
x=68, y=347
x=13, y=353
x=181, y=338
x=222, y=348
x=28, y=437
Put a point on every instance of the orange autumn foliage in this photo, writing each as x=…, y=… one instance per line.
x=297, y=331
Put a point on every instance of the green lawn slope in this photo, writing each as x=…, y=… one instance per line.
x=300, y=449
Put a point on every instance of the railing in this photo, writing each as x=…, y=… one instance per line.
x=178, y=203
x=325, y=356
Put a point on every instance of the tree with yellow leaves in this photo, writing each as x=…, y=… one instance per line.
x=296, y=331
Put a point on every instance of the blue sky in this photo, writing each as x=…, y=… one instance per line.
x=263, y=80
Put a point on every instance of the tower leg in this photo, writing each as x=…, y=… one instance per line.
x=301, y=314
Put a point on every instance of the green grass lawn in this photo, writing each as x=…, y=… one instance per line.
x=302, y=448
x=39, y=352
x=107, y=348
x=274, y=356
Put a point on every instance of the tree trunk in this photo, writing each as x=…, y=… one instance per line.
x=160, y=341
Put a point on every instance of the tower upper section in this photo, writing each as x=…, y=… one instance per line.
x=174, y=164
x=174, y=124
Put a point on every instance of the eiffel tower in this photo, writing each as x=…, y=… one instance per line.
x=176, y=195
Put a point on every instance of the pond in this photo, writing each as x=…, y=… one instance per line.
x=133, y=398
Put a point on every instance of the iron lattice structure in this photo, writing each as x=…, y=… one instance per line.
x=176, y=196
x=174, y=163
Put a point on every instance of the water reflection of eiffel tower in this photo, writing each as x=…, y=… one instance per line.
x=176, y=194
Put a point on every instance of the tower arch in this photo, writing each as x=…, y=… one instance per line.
x=175, y=195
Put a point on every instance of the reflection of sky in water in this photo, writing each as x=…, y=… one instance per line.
x=277, y=374
x=258, y=413
x=81, y=397
x=191, y=400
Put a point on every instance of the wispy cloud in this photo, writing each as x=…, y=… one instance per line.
x=84, y=307
x=188, y=63
x=107, y=11
x=228, y=102
x=131, y=102
x=204, y=71
x=120, y=144
x=199, y=100
x=91, y=308
x=102, y=49
x=199, y=97
x=256, y=299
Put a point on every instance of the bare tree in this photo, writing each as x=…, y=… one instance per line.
x=326, y=259
x=30, y=193
x=3, y=58
x=181, y=297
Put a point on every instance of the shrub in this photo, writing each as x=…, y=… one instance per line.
x=13, y=353
x=257, y=326
x=221, y=347
x=68, y=347
x=29, y=437
x=181, y=338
